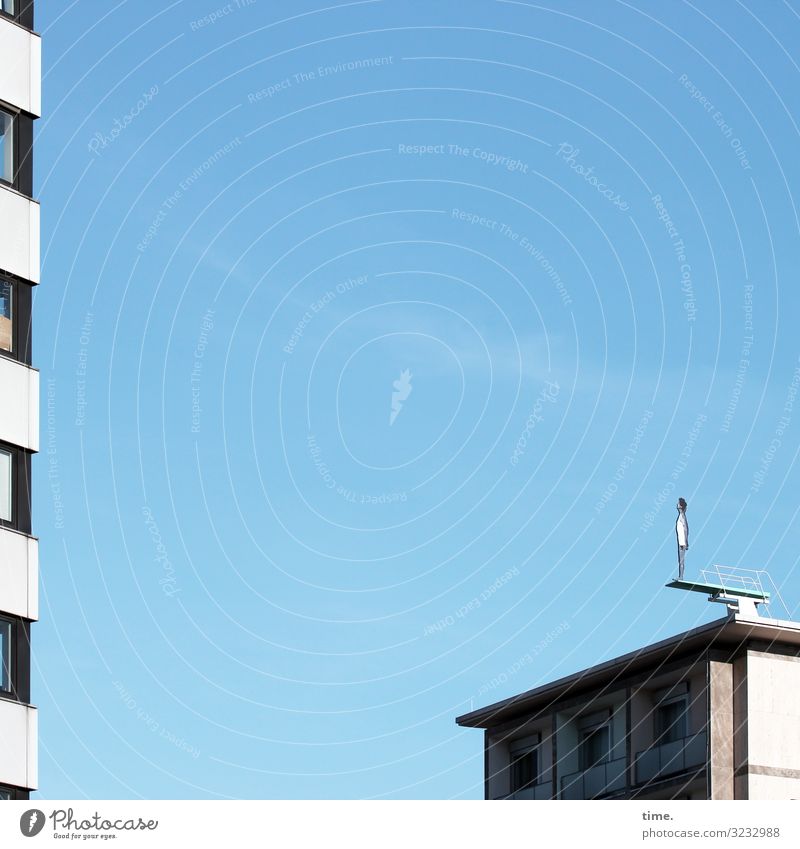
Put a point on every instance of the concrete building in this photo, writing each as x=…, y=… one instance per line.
x=20, y=104
x=712, y=713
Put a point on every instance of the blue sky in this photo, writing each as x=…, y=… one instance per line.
x=571, y=225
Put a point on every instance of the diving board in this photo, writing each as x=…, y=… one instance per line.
x=717, y=589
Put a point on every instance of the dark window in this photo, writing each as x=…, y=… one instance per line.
x=5, y=655
x=6, y=316
x=16, y=144
x=15, y=659
x=595, y=746
x=4, y=794
x=524, y=770
x=6, y=485
x=15, y=319
x=15, y=501
x=6, y=146
x=671, y=721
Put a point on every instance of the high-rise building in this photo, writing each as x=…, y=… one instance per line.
x=20, y=104
x=712, y=713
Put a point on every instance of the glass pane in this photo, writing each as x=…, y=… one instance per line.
x=5, y=655
x=6, y=146
x=5, y=485
x=4, y=795
x=595, y=747
x=523, y=771
x=6, y=318
x=7, y=6
x=671, y=722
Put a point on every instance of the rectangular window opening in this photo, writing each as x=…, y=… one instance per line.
x=6, y=493
x=6, y=316
x=5, y=656
x=595, y=746
x=671, y=721
x=524, y=770
x=6, y=146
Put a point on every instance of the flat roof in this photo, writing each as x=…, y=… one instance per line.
x=729, y=631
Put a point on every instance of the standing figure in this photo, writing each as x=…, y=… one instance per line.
x=682, y=533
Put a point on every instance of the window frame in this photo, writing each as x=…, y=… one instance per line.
x=19, y=662
x=589, y=725
x=586, y=735
x=20, y=489
x=660, y=736
x=12, y=114
x=6, y=626
x=514, y=759
x=21, y=151
x=10, y=483
x=21, y=306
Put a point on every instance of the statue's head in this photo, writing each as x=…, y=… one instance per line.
x=682, y=504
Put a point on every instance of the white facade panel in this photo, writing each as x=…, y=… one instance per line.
x=19, y=404
x=21, y=80
x=19, y=234
x=19, y=574
x=772, y=787
x=773, y=726
x=18, y=748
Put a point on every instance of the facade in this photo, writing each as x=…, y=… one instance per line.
x=20, y=104
x=712, y=713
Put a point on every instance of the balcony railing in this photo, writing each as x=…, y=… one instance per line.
x=595, y=782
x=671, y=758
x=538, y=791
